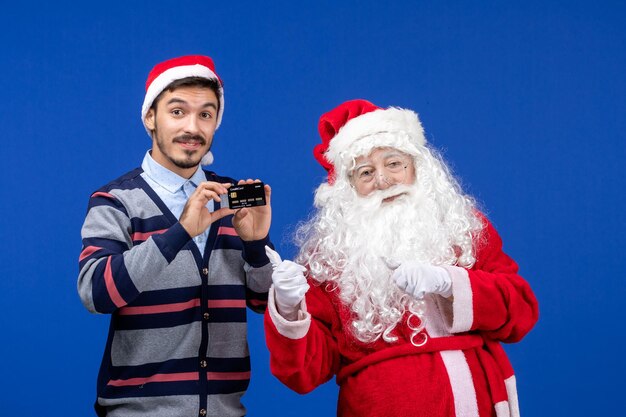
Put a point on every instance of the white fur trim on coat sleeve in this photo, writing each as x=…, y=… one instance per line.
x=291, y=329
x=462, y=311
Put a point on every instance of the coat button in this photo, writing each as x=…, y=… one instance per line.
x=202, y=412
x=205, y=316
x=205, y=271
x=202, y=364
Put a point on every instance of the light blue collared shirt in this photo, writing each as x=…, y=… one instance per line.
x=174, y=190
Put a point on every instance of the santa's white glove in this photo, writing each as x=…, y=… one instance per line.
x=289, y=284
x=419, y=279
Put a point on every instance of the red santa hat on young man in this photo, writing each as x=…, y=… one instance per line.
x=165, y=73
x=356, y=127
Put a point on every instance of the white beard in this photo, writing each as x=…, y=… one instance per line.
x=353, y=240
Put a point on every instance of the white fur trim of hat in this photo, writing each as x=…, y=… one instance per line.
x=393, y=127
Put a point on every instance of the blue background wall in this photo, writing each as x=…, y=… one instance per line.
x=525, y=99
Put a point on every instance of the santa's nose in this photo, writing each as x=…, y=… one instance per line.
x=382, y=182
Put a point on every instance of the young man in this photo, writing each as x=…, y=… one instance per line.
x=173, y=267
x=408, y=293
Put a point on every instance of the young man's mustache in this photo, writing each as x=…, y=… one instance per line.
x=190, y=138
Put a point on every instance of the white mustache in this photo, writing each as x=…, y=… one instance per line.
x=376, y=198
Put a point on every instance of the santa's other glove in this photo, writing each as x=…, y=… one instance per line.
x=419, y=279
x=290, y=285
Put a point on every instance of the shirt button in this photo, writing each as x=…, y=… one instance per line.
x=205, y=316
x=202, y=364
x=202, y=412
x=205, y=271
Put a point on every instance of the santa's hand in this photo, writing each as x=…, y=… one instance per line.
x=290, y=285
x=419, y=279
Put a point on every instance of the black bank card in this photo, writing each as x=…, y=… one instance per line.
x=245, y=195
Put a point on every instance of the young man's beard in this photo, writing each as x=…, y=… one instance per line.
x=193, y=157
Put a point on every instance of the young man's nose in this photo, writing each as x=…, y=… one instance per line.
x=192, y=125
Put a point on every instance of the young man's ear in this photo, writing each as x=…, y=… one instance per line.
x=149, y=120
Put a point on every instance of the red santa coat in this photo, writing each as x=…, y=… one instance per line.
x=461, y=370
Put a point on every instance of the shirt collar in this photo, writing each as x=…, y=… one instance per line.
x=167, y=179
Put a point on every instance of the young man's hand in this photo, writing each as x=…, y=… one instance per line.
x=196, y=217
x=253, y=223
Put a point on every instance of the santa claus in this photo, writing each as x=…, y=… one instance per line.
x=401, y=288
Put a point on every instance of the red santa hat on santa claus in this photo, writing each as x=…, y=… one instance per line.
x=356, y=127
x=165, y=73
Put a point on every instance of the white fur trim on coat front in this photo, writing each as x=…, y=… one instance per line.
x=455, y=361
x=511, y=391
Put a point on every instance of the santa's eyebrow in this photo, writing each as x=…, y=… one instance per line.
x=363, y=164
x=386, y=155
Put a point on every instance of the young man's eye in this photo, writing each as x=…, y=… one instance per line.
x=177, y=112
x=206, y=115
